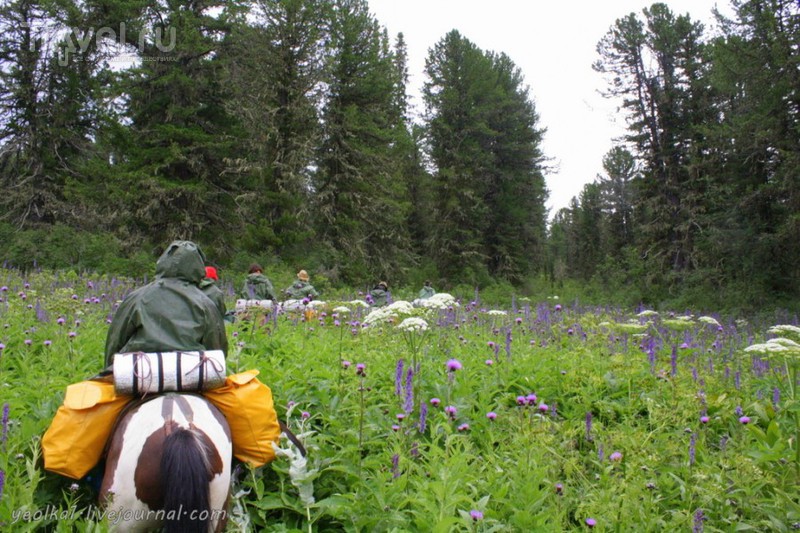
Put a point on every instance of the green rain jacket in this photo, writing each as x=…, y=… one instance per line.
x=379, y=297
x=258, y=287
x=426, y=292
x=214, y=293
x=170, y=313
x=302, y=289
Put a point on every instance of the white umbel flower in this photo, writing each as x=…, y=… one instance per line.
x=413, y=324
x=709, y=320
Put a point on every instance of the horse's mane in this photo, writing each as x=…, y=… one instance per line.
x=184, y=482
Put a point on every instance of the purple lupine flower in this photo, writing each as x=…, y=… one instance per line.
x=674, y=361
x=699, y=518
x=589, y=426
x=414, y=451
x=398, y=377
x=723, y=442
x=508, y=343
x=453, y=365
x=2, y=482
x=408, y=406
x=396, y=466
x=738, y=380
x=491, y=415
x=475, y=515
x=692, y=444
x=738, y=410
x=423, y=414
x=776, y=396
x=600, y=453
x=6, y=409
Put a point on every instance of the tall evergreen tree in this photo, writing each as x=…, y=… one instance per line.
x=170, y=162
x=276, y=66
x=484, y=142
x=653, y=65
x=757, y=149
x=360, y=195
x=50, y=109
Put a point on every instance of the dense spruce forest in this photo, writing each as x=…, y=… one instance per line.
x=280, y=130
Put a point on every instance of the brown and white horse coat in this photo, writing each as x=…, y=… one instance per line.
x=169, y=464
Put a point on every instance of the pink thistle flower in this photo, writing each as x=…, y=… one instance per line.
x=453, y=365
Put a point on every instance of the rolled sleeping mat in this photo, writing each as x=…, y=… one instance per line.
x=243, y=305
x=139, y=373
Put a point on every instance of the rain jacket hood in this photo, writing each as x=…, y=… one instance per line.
x=182, y=260
x=170, y=313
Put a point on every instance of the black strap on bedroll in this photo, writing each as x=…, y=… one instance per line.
x=135, y=375
x=202, y=363
x=160, y=372
x=179, y=373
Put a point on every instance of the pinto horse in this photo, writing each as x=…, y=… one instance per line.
x=169, y=465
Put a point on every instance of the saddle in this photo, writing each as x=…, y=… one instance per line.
x=77, y=437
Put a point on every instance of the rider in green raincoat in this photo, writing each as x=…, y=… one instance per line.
x=257, y=286
x=171, y=313
x=302, y=288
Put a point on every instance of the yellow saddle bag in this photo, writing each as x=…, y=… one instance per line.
x=76, y=438
x=247, y=405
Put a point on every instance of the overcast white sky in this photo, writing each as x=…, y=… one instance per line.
x=554, y=44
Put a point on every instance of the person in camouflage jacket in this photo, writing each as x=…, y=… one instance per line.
x=257, y=286
x=301, y=288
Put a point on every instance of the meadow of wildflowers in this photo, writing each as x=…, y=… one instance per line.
x=529, y=416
